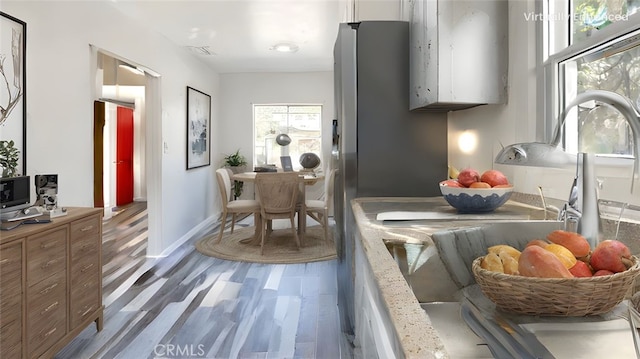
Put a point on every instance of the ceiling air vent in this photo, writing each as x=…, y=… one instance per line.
x=202, y=50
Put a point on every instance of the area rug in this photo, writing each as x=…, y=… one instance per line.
x=279, y=248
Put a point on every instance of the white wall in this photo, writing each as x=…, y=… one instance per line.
x=241, y=91
x=60, y=105
x=516, y=122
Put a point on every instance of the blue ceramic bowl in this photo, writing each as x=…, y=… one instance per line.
x=475, y=200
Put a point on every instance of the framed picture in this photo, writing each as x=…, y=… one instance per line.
x=13, y=90
x=198, y=127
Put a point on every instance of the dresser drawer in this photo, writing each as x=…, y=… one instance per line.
x=11, y=259
x=45, y=333
x=11, y=335
x=82, y=306
x=46, y=255
x=46, y=297
x=10, y=272
x=86, y=227
x=85, y=270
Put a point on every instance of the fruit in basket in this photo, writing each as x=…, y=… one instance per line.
x=537, y=242
x=564, y=255
x=602, y=272
x=581, y=269
x=536, y=261
x=492, y=262
x=467, y=176
x=509, y=263
x=494, y=178
x=574, y=242
x=512, y=251
x=611, y=255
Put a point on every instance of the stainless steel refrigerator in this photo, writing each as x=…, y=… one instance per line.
x=380, y=147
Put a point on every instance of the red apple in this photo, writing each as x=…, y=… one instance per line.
x=451, y=183
x=467, y=176
x=602, y=272
x=494, y=178
x=581, y=269
x=608, y=255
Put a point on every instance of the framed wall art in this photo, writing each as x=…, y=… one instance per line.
x=198, y=128
x=13, y=102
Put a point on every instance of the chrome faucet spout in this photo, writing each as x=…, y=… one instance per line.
x=582, y=204
x=614, y=100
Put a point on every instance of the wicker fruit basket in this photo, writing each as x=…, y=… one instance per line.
x=555, y=296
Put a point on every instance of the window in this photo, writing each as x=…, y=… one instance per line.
x=302, y=123
x=596, y=47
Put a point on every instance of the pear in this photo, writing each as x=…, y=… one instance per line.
x=453, y=172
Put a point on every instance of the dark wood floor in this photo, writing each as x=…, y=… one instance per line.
x=189, y=305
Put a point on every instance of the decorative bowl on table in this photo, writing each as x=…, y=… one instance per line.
x=475, y=200
x=568, y=297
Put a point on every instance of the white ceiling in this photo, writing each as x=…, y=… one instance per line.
x=239, y=33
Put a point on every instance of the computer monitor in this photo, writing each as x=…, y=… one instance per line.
x=285, y=161
x=15, y=195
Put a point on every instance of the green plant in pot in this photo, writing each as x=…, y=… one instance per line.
x=9, y=157
x=237, y=163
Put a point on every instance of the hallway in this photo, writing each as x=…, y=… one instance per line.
x=190, y=305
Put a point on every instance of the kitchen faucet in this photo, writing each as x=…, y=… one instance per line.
x=582, y=205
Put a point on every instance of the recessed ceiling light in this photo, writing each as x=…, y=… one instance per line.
x=284, y=47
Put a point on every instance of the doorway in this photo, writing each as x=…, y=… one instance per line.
x=114, y=80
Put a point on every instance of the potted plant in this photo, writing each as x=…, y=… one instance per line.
x=9, y=156
x=236, y=163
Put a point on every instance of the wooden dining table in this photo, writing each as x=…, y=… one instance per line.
x=306, y=179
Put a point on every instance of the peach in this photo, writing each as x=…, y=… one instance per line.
x=479, y=185
x=609, y=255
x=494, y=178
x=467, y=176
x=451, y=183
x=536, y=261
x=574, y=242
x=581, y=269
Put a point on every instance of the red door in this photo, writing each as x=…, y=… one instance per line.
x=124, y=156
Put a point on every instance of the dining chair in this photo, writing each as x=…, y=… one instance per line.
x=229, y=205
x=319, y=209
x=278, y=194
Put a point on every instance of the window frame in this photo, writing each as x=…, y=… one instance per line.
x=296, y=165
x=555, y=49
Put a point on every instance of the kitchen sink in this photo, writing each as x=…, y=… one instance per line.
x=439, y=273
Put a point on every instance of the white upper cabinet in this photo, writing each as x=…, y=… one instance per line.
x=459, y=53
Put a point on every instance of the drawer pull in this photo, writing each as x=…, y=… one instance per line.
x=86, y=228
x=86, y=311
x=86, y=268
x=3, y=261
x=88, y=284
x=47, y=244
x=49, y=332
x=50, y=307
x=49, y=288
x=49, y=263
x=86, y=246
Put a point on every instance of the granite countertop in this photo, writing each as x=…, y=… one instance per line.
x=419, y=339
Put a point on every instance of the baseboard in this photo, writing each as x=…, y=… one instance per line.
x=187, y=236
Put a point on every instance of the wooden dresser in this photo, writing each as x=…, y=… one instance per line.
x=50, y=283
